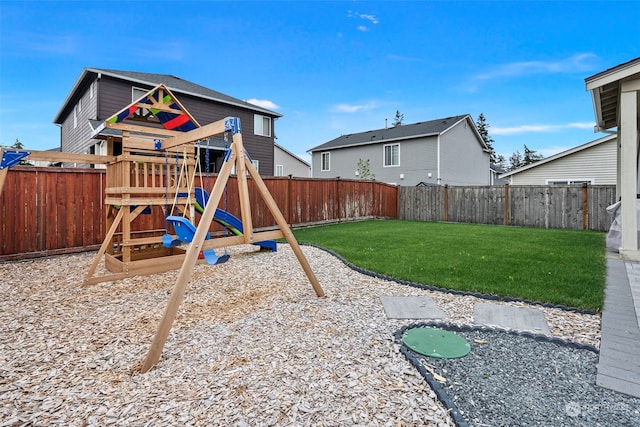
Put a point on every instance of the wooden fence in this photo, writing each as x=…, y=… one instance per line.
x=47, y=211
x=579, y=207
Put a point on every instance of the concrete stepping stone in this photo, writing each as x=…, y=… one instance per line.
x=509, y=317
x=411, y=307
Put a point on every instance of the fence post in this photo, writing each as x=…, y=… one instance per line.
x=506, y=204
x=398, y=194
x=446, y=202
x=585, y=206
x=338, y=198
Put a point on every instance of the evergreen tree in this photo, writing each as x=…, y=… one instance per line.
x=397, y=121
x=483, y=130
x=515, y=161
x=500, y=162
x=530, y=156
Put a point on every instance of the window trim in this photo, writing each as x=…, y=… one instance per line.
x=259, y=130
x=322, y=162
x=279, y=170
x=384, y=155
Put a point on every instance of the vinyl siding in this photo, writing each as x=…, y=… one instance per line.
x=462, y=159
x=291, y=165
x=417, y=160
x=597, y=162
x=78, y=139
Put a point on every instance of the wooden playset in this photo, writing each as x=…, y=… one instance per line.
x=151, y=163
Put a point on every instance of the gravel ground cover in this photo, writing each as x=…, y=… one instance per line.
x=251, y=346
x=513, y=379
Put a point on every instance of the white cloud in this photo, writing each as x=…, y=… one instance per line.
x=371, y=18
x=264, y=103
x=367, y=17
x=352, y=108
x=577, y=63
x=539, y=128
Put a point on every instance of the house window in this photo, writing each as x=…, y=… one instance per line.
x=256, y=164
x=279, y=170
x=92, y=89
x=392, y=155
x=75, y=117
x=261, y=125
x=325, y=162
x=589, y=181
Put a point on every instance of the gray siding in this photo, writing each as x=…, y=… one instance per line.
x=78, y=139
x=417, y=160
x=597, y=163
x=462, y=159
x=291, y=165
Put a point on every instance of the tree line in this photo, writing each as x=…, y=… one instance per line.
x=516, y=160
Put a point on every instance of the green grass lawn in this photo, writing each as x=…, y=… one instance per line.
x=564, y=267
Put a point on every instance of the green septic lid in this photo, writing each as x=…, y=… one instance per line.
x=436, y=343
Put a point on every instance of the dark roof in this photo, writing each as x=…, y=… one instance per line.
x=175, y=84
x=415, y=130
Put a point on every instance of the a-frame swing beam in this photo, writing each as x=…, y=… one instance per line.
x=238, y=157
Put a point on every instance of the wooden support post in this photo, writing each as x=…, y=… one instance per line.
x=506, y=204
x=3, y=176
x=446, y=202
x=282, y=223
x=243, y=188
x=105, y=245
x=177, y=295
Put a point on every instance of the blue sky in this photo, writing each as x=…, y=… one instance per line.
x=330, y=68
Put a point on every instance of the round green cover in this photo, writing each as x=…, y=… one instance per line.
x=436, y=343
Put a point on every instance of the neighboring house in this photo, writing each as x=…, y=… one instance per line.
x=443, y=151
x=593, y=163
x=495, y=178
x=286, y=163
x=45, y=163
x=99, y=93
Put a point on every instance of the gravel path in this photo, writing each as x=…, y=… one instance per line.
x=251, y=345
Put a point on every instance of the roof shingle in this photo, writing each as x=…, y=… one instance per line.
x=431, y=127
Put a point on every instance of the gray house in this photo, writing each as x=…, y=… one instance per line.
x=99, y=93
x=438, y=152
x=287, y=163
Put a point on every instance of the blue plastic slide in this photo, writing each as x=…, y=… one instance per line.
x=227, y=220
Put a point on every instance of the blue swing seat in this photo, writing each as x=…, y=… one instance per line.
x=185, y=231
